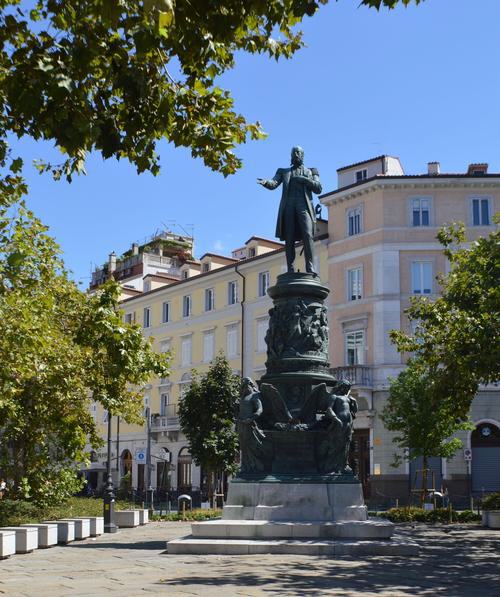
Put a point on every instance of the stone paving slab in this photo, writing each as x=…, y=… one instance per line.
x=461, y=561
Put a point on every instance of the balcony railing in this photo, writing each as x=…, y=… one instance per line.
x=167, y=422
x=358, y=375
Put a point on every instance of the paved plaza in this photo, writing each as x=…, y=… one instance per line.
x=459, y=561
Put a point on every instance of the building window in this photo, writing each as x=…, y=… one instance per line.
x=185, y=274
x=208, y=346
x=361, y=175
x=261, y=335
x=480, y=211
x=355, y=348
x=186, y=305
x=232, y=342
x=263, y=283
x=251, y=252
x=354, y=284
x=105, y=416
x=354, y=223
x=209, y=299
x=165, y=312
x=147, y=286
x=186, y=352
x=205, y=267
x=421, y=211
x=421, y=277
x=147, y=317
x=164, y=402
x=165, y=345
x=129, y=318
x=232, y=293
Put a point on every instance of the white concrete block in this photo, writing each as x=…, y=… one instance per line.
x=96, y=525
x=82, y=527
x=494, y=519
x=7, y=544
x=26, y=538
x=143, y=516
x=47, y=534
x=65, y=530
x=127, y=519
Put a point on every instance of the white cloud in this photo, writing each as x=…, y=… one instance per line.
x=218, y=245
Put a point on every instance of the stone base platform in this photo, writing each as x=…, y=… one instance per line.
x=309, y=547
x=236, y=537
x=261, y=529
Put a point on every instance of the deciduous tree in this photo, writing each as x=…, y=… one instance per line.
x=206, y=414
x=59, y=349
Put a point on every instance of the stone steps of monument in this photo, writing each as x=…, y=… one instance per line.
x=311, y=547
x=263, y=529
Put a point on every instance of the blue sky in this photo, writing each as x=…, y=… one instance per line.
x=420, y=83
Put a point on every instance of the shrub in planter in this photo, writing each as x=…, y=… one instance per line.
x=491, y=510
x=491, y=501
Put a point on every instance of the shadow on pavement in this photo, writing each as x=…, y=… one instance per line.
x=449, y=564
x=144, y=545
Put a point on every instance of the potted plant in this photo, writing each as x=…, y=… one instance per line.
x=491, y=510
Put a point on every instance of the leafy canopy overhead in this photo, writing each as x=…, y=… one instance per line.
x=117, y=76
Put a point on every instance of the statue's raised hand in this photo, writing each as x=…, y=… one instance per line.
x=261, y=181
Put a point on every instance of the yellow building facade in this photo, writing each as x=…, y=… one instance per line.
x=219, y=305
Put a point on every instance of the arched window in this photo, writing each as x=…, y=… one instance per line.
x=485, y=444
x=126, y=462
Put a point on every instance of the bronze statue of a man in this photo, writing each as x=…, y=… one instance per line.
x=296, y=217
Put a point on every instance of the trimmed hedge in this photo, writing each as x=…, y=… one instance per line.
x=195, y=515
x=430, y=516
x=16, y=512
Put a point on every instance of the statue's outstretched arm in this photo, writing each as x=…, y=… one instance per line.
x=272, y=183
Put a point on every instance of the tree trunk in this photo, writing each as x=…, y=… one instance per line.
x=424, y=480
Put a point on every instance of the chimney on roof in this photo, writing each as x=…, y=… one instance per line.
x=135, y=249
x=477, y=169
x=433, y=168
x=112, y=263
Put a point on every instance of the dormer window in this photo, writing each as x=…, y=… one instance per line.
x=185, y=274
x=251, y=252
x=205, y=267
x=361, y=175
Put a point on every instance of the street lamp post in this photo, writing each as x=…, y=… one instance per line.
x=109, y=493
x=149, y=498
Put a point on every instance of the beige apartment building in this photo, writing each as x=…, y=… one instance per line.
x=382, y=250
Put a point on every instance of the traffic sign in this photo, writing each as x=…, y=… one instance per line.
x=140, y=455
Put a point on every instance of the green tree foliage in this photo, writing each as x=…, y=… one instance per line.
x=378, y=4
x=117, y=76
x=59, y=349
x=424, y=420
x=455, y=348
x=206, y=414
x=458, y=334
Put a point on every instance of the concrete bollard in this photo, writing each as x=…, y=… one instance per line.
x=82, y=527
x=96, y=525
x=47, y=534
x=26, y=538
x=65, y=530
x=127, y=519
x=7, y=544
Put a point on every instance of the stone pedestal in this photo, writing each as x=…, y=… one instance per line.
x=295, y=492
x=278, y=501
